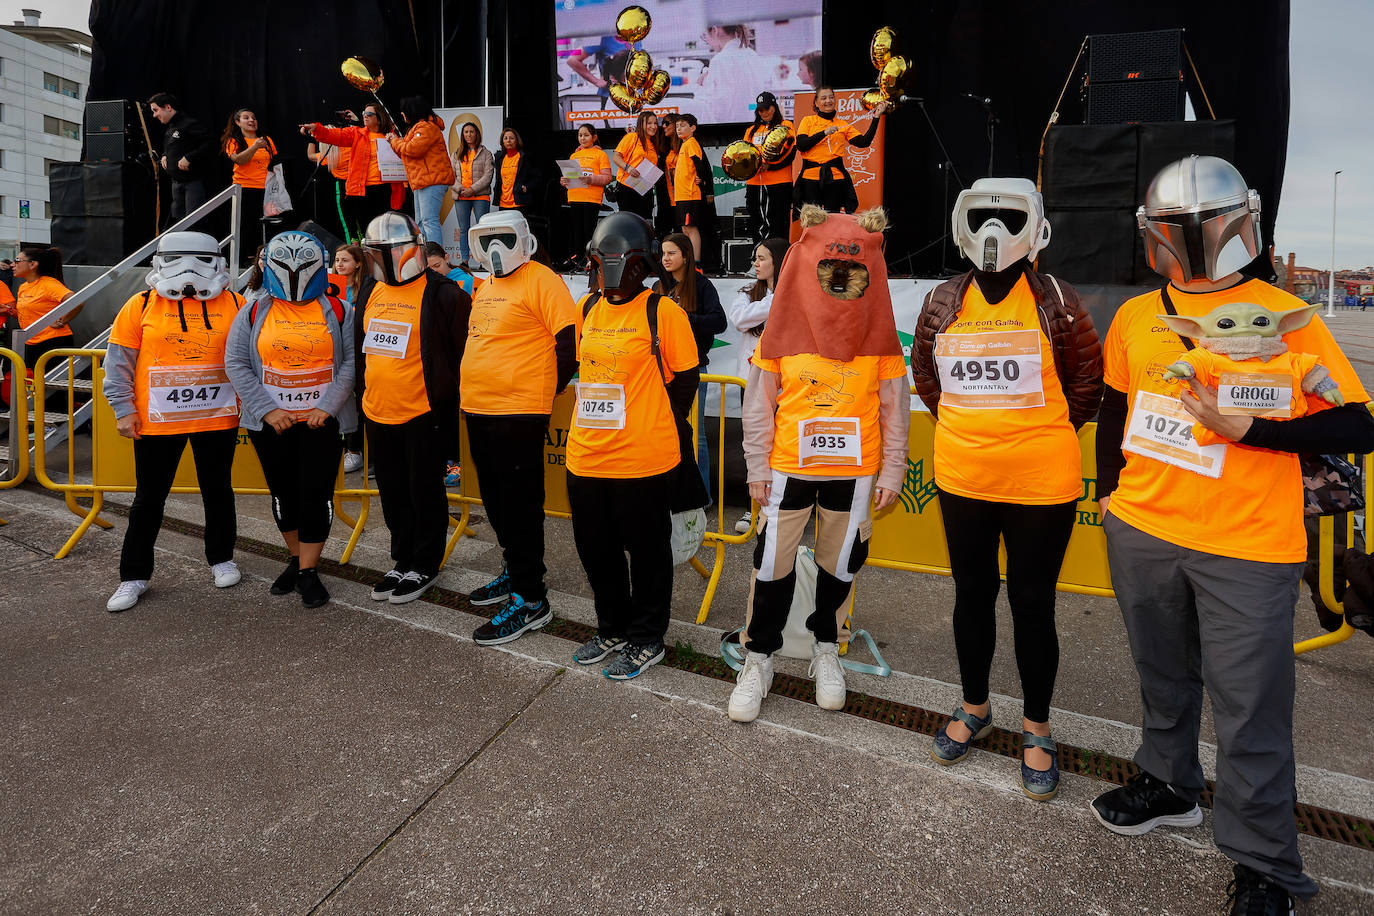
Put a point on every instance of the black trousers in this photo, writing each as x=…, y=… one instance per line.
x=186, y=196
x=610, y=518
x=360, y=211
x=410, y=460
x=835, y=195
x=665, y=220
x=300, y=466
x=581, y=225
x=1036, y=538
x=155, y=465
x=770, y=210
x=508, y=454
x=250, y=224
x=638, y=204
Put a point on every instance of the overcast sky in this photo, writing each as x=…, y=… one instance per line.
x=1331, y=126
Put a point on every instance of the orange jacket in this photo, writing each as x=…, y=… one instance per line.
x=425, y=154
x=362, y=153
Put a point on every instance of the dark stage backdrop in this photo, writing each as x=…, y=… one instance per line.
x=283, y=60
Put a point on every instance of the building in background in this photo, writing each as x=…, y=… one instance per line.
x=44, y=75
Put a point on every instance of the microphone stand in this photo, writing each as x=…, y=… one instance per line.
x=992, y=136
x=947, y=167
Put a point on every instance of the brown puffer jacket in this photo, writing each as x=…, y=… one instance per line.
x=1069, y=327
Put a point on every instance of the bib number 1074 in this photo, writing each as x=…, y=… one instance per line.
x=1168, y=426
x=994, y=370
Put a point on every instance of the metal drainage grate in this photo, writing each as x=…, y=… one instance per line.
x=1322, y=823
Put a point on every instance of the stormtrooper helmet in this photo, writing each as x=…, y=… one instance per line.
x=999, y=221
x=397, y=247
x=293, y=267
x=502, y=241
x=188, y=265
x=1200, y=220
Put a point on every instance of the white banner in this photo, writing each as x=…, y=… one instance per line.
x=489, y=121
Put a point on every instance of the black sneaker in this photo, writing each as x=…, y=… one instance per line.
x=513, y=620
x=1143, y=804
x=313, y=592
x=383, y=589
x=597, y=648
x=633, y=659
x=1253, y=894
x=494, y=592
x=286, y=582
x=412, y=586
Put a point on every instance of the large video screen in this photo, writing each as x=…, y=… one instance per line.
x=720, y=56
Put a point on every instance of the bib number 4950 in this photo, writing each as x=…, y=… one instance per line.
x=994, y=370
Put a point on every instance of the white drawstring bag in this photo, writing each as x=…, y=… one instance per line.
x=689, y=531
x=275, y=199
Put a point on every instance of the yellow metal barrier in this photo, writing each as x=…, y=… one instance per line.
x=1326, y=567
x=19, y=413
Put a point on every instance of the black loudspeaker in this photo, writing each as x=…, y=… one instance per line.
x=1092, y=246
x=68, y=235
x=1135, y=77
x=101, y=211
x=737, y=255
x=112, y=117
x=113, y=147
x=1161, y=144
x=1090, y=166
x=330, y=241
x=66, y=189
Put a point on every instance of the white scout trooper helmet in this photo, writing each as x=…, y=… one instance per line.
x=502, y=241
x=998, y=221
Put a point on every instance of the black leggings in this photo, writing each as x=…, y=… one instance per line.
x=250, y=224
x=770, y=210
x=155, y=465
x=1036, y=538
x=508, y=456
x=582, y=225
x=638, y=204
x=361, y=210
x=300, y=466
x=835, y=195
x=410, y=460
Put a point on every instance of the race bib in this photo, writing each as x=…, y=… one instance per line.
x=297, y=392
x=601, y=406
x=999, y=370
x=386, y=338
x=829, y=441
x=1254, y=394
x=1161, y=429
x=194, y=393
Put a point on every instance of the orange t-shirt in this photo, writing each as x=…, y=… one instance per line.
x=253, y=173
x=180, y=385
x=826, y=424
x=37, y=298
x=6, y=295
x=509, y=165
x=297, y=353
x=465, y=171
x=1254, y=509
x=831, y=147
x=374, y=174
x=623, y=424
x=999, y=438
x=394, y=382
x=593, y=161
x=670, y=166
x=685, y=171
x=632, y=153
x=509, y=366
x=1288, y=369
x=767, y=175
x=345, y=156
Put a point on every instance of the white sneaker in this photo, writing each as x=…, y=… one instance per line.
x=226, y=574
x=745, y=520
x=752, y=685
x=829, y=675
x=353, y=461
x=127, y=595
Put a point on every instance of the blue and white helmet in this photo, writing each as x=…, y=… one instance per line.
x=293, y=267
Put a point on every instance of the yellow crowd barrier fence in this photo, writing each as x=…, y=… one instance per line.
x=17, y=470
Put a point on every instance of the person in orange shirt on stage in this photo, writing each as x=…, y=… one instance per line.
x=768, y=195
x=166, y=383
x=692, y=182
x=366, y=194
x=473, y=167
x=41, y=291
x=1008, y=362
x=514, y=176
x=252, y=156
x=665, y=221
x=821, y=139
x=629, y=437
x=585, y=203
x=643, y=144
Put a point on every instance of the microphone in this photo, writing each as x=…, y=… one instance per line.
x=909, y=99
x=985, y=102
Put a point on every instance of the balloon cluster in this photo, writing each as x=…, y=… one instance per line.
x=894, y=71
x=643, y=84
x=742, y=159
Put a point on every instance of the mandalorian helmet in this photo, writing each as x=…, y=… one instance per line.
x=999, y=221
x=1200, y=220
x=625, y=252
x=293, y=267
x=188, y=265
x=398, y=249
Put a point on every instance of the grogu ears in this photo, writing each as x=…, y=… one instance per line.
x=1293, y=319
x=812, y=215
x=1184, y=326
x=872, y=220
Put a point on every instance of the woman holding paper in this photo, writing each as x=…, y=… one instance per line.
x=638, y=148
x=367, y=191
x=585, y=190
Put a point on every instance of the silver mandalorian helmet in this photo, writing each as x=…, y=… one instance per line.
x=1200, y=220
x=398, y=249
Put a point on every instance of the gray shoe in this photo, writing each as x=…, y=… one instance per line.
x=597, y=648
x=633, y=659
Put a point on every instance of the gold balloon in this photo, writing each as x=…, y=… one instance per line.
x=633, y=24
x=657, y=87
x=893, y=75
x=880, y=48
x=777, y=143
x=741, y=160
x=639, y=69
x=363, y=74
x=871, y=98
x=624, y=98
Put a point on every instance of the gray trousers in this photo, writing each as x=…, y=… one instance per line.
x=1196, y=618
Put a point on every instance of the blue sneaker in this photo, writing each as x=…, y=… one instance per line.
x=633, y=659
x=1040, y=785
x=453, y=474
x=494, y=592
x=945, y=750
x=514, y=619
